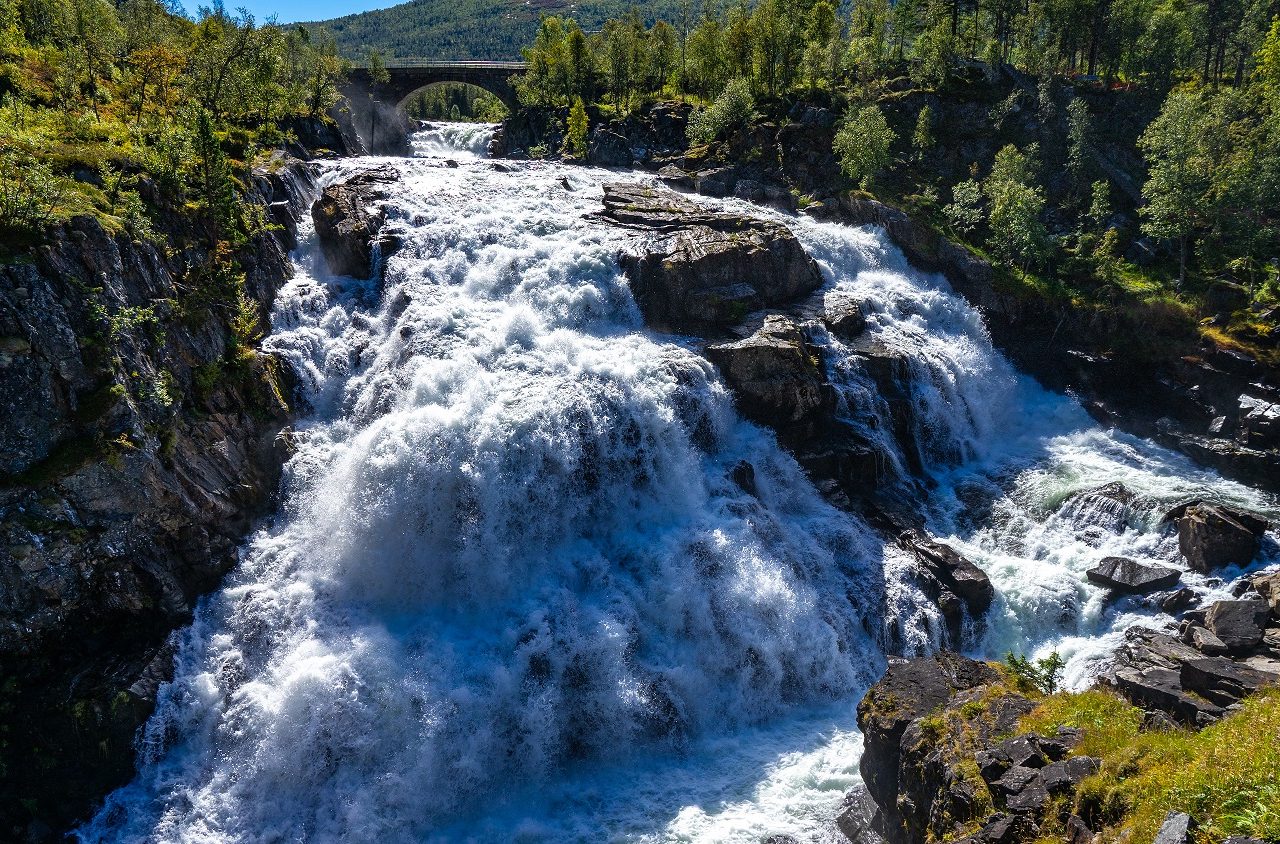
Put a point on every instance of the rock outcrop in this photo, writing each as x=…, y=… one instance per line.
x=943, y=758
x=697, y=269
x=348, y=221
x=141, y=437
x=1211, y=536
x=949, y=579
x=1219, y=655
x=774, y=373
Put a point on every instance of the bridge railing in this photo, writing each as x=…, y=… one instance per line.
x=469, y=64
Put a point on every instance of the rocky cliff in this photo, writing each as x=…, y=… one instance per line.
x=142, y=434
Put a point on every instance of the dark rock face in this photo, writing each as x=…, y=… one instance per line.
x=950, y=579
x=1121, y=574
x=908, y=692
x=1214, y=535
x=843, y=317
x=138, y=448
x=922, y=775
x=774, y=374
x=348, y=224
x=1238, y=624
x=699, y=269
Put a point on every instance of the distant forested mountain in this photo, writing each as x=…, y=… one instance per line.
x=471, y=29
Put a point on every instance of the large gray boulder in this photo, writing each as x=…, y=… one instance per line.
x=1120, y=574
x=775, y=375
x=1214, y=535
x=1238, y=624
x=699, y=269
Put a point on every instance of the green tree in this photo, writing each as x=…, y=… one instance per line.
x=576, y=138
x=1015, y=202
x=1179, y=173
x=862, y=144
x=922, y=137
x=731, y=110
x=964, y=212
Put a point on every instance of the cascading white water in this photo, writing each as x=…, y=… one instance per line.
x=1005, y=457
x=512, y=593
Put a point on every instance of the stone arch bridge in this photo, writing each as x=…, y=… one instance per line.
x=408, y=75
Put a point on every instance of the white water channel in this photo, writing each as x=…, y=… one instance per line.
x=513, y=595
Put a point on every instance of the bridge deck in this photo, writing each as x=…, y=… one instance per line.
x=437, y=64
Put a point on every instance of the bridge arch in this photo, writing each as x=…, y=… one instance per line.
x=409, y=75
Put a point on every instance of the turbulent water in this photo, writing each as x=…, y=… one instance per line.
x=512, y=593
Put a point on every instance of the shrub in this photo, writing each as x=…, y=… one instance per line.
x=1044, y=674
x=576, y=138
x=862, y=144
x=965, y=211
x=30, y=193
x=731, y=109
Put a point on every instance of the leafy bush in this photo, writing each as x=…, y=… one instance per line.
x=30, y=194
x=862, y=144
x=964, y=213
x=732, y=109
x=575, y=140
x=1044, y=674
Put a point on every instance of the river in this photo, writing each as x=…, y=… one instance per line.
x=511, y=593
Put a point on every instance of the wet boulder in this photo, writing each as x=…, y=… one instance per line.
x=1238, y=624
x=1214, y=535
x=1121, y=574
x=843, y=316
x=347, y=222
x=696, y=269
x=950, y=579
x=775, y=375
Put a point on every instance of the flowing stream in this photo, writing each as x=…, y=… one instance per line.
x=512, y=593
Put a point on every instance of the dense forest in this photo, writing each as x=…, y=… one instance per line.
x=131, y=113
x=1191, y=90
x=466, y=29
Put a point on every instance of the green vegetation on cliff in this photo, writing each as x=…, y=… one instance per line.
x=1226, y=776
x=134, y=114
x=1115, y=155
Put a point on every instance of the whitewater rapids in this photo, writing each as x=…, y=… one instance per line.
x=512, y=593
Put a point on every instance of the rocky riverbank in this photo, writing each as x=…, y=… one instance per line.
x=951, y=753
x=142, y=435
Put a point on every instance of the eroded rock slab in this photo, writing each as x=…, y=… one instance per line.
x=348, y=221
x=700, y=269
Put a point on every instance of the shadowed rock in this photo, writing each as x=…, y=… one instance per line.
x=700, y=268
x=1120, y=574
x=347, y=223
x=1214, y=535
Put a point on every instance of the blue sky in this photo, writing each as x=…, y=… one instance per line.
x=289, y=11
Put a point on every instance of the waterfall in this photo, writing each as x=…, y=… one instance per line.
x=513, y=593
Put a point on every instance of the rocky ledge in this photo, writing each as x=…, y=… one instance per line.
x=946, y=757
x=349, y=221
x=697, y=269
x=751, y=293
x=140, y=439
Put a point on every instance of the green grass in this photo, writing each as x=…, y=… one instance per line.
x=1226, y=776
